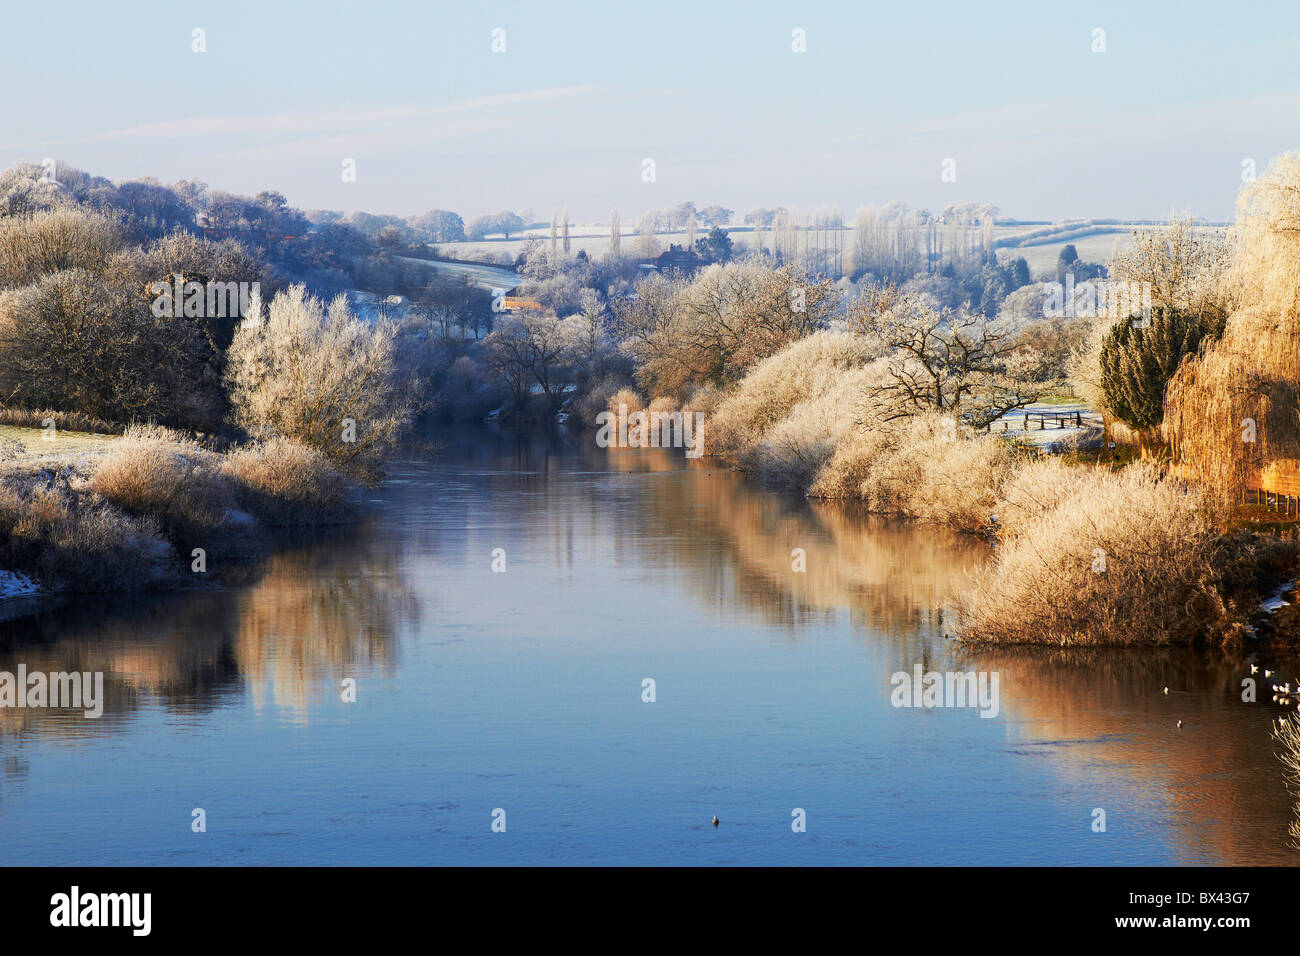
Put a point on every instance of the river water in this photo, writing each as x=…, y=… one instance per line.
x=517, y=695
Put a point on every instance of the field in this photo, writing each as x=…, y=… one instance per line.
x=483, y=276
x=1098, y=246
x=592, y=239
x=64, y=444
x=1042, y=258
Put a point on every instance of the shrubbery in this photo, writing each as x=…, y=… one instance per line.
x=821, y=370
x=54, y=240
x=76, y=342
x=73, y=540
x=155, y=473
x=1093, y=556
x=319, y=376
x=286, y=483
x=1138, y=360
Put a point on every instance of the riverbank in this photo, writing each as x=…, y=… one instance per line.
x=92, y=513
x=762, y=673
x=1092, y=548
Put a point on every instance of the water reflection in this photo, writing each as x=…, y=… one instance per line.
x=1103, y=713
x=317, y=616
x=747, y=544
x=312, y=614
x=357, y=603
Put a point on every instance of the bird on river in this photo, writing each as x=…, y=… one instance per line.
x=1267, y=672
x=1166, y=691
x=1180, y=723
x=1254, y=669
x=715, y=819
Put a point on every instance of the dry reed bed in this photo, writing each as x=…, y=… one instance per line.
x=1286, y=731
x=1090, y=556
x=1084, y=555
x=131, y=518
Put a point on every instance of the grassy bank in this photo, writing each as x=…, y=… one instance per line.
x=1095, y=548
x=95, y=513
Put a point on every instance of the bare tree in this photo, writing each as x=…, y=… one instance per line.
x=589, y=337
x=975, y=368
x=647, y=245
x=1184, y=266
x=532, y=349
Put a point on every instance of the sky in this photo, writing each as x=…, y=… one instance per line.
x=1166, y=120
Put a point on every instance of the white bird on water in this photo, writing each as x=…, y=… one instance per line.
x=1166, y=691
x=1254, y=669
x=715, y=819
x=1180, y=723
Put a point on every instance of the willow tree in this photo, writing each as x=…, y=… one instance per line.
x=1236, y=409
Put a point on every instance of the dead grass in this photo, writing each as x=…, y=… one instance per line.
x=1286, y=731
x=128, y=518
x=284, y=483
x=156, y=472
x=1093, y=556
x=35, y=418
x=71, y=540
x=926, y=467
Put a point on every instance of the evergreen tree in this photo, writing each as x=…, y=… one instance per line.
x=1137, y=361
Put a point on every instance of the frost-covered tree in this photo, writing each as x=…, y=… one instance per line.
x=320, y=376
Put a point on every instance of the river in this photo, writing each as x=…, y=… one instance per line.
x=518, y=696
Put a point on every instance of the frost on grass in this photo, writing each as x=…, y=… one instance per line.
x=1090, y=556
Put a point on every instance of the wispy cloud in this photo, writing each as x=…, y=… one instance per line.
x=435, y=122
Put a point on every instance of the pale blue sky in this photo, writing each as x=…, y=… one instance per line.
x=1036, y=122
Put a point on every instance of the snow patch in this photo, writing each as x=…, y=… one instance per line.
x=1276, y=600
x=16, y=584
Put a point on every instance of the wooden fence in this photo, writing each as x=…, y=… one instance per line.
x=1276, y=486
x=1061, y=419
